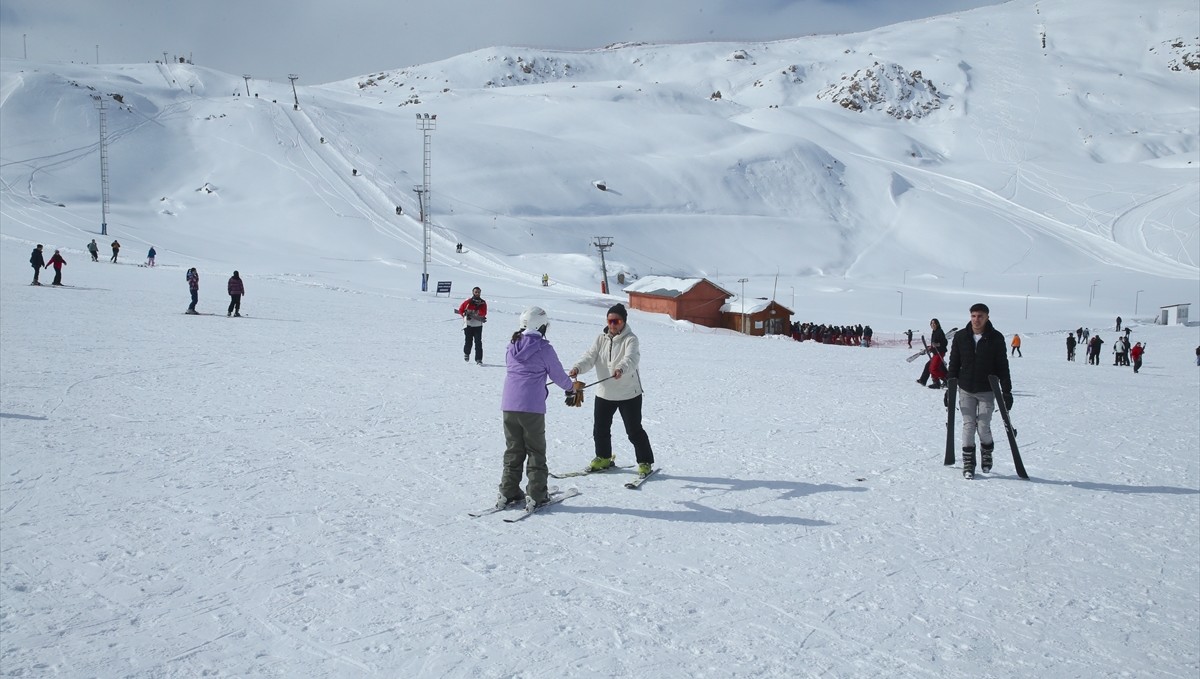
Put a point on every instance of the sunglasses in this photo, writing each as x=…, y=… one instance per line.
x=614, y=321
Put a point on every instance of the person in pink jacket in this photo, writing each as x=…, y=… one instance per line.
x=529, y=360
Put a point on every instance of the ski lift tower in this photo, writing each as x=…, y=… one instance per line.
x=103, y=164
x=427, y=123
x=295, y=99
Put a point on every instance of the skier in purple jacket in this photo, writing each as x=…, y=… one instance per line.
x=530, y=360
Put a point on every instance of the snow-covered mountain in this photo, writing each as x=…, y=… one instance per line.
x=286, y=494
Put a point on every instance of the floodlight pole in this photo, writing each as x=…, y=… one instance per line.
x=1135, y=301
x=24, y=48
x=743, y=282
x=295, y=99
x=97, y=55
x=103, y=164
x=247, y=77
x=901, y=293
x=603, y=244
x=427, y=123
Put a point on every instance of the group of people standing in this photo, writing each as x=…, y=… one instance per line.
x=530, y=360
x=39, y=262
x=235, y=287
x=848, y=335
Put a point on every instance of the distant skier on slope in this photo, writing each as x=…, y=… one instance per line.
x=474, y=313
x=978, y=351
x=193, y=281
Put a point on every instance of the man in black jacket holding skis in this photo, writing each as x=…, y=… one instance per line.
x=978, y=351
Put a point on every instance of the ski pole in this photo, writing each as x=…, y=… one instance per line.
x=587, y=385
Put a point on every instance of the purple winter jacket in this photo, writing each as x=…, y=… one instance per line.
x=530, y=360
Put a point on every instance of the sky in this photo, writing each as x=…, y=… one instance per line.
x=273, y=38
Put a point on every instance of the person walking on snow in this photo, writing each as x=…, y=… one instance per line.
x=529, y=360
x=978, y=352
x=1070, y=347
x=937, y=344
x=150, y=256
x=37, y=262
x=193, y=281
x=116, y=248
x=94, y=250
x=58, y=263
x=1016, y=345
x=236, y=290
x=474, y=313
x=1136, y=352
x=616, y=355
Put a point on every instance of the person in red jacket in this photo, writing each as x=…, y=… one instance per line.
x=236, y=290
x=474, y=313
x=1136, y=354
x=57, y=262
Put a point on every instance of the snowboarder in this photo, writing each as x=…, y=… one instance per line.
x=150, y=256
x=236, y=290
x=474, y=313
x=1136, y=352
x=193, y=281
x=94, y=250
x=116, y=248
x=937, y=344
x=978, y=352
x=529, y=360
x=37, y=262
x=1016, y=346
x=615, y=354
x=58, y=263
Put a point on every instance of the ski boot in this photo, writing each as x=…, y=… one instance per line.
x=644, y=469
x=985, y=451
x=968, y=456
x=599, y=464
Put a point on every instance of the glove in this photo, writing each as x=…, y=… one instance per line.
x=946, y=398
x=574, y=399
x=1007, y=396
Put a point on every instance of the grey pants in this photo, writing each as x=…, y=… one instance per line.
x=976, y=410
x=524, y=446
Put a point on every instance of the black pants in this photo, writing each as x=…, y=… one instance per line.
x=235, y=304
x=631, y=415
x=114, y=257
x=37, y=271
x=473, y=334
x=57, y=276
x=1016, y=351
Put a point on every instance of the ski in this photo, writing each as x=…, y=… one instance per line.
x=494, y=509
x=1008, y=427
x=637, y=483
x=555, y=498
x=920, y=353
x=585, y=472
x=952, y=399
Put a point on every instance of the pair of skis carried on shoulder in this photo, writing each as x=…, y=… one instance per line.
x=1009, y=429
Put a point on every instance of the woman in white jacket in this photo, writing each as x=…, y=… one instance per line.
x=615, y=355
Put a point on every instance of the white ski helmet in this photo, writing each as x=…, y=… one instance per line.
x=535, y=318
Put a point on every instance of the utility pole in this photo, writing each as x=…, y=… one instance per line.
x=164, y=58
x=426, y=123
x=103, y=164
x=97, y=55
x=24, y=48
x=295, y=106
x=603, y=244
x=247, y=77
x=743, y=296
